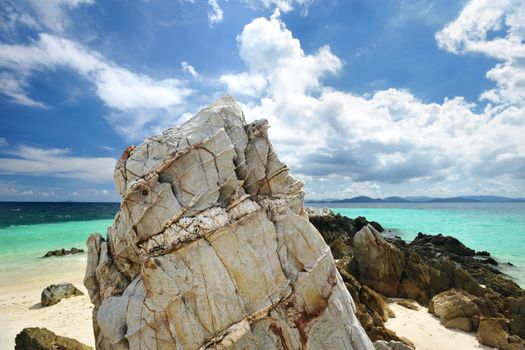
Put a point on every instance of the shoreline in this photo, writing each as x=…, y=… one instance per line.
x=20, y=307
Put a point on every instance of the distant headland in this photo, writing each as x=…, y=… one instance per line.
x=421, y=199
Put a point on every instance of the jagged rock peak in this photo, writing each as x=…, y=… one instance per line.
x=212, y=248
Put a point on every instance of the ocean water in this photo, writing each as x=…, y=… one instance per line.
x=29, y=230
x=498, y=228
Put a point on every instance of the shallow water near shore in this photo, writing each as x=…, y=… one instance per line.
x=495, y=227
x=22, y=248
x=498, y=228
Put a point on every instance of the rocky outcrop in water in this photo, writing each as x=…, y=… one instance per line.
x=212, y=249
x=43, y=339
x=62, y=252
x=56, y=292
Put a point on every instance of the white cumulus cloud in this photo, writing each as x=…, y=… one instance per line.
x=389, y=136
x=28, y=160
x=276, y=61
x=136, y=99
x=495, y=29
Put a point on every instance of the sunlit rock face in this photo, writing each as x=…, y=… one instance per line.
x=211, y=248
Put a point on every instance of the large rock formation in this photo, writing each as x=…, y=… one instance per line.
x=211, y=248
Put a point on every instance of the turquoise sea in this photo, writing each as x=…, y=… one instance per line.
x=29, y=230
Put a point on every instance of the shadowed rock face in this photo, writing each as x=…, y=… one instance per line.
x=211, y=248
x=380, y=263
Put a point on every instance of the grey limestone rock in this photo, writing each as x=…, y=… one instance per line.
x=212, y=248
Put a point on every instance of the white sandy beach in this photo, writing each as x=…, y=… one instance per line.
x=20, y=307
x=425, y=331
x=20, y=302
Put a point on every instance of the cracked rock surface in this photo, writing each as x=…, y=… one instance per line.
x=212, y=249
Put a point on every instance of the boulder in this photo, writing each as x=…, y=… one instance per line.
x=212, y=248
x=44, y=339
x=56, y=292
x=455, y=309
x=494, y=332
x=379, y=262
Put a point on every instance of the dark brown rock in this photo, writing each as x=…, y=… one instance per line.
x=375, y=302
x=44, y=339
x=407, y=304
x=415, y=279
x=379, y=263
x=62, y=252
x=340, y=249
x=493, y=332
x=443, y=244
x=430, y=265
x=335, y=226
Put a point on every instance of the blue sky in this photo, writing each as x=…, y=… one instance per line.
x=371, y=98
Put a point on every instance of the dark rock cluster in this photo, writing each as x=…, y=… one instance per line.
x=62, y=252
x=459, y=285
x=371, y=307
